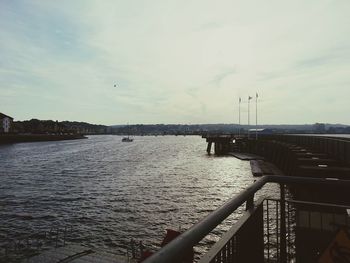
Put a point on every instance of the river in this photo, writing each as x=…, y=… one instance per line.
x=110, y=191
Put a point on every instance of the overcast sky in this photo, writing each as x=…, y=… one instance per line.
x=175, y=61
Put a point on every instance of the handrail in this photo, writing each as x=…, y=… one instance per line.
x=173, y=251
x=208, y=257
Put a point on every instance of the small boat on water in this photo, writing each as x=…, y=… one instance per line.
x=127, y=139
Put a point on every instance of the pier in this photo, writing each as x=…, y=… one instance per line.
x=309, y=222
x=295, y=155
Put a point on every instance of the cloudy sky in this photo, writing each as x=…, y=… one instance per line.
x=178, y=61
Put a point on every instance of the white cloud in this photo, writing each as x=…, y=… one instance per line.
x=177, y=61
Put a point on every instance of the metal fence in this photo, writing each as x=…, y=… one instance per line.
x=261, y=235
x=14, y=249
x=271, y=230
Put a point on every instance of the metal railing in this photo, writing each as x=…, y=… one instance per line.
x=315, y=223
x=13, y=249
x=277, y=249
x=235, y=243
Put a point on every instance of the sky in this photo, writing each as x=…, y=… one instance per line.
x=180, y=61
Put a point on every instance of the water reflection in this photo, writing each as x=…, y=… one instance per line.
x=111, y=191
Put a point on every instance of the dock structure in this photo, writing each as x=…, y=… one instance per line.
x=308, y=156
x=295, y=155
x=221, y=142
x=313, y=156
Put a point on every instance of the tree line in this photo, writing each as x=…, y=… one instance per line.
x=35, y=126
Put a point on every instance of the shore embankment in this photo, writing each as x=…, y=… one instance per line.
x=14, y=138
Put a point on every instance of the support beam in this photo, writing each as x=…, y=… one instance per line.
x=209, y=147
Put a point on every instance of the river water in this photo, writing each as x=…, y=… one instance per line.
x=110, y=192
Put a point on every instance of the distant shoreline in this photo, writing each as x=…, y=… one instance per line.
x=15, y=138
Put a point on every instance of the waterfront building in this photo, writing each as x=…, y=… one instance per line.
x=261, y=131
x=5, y=123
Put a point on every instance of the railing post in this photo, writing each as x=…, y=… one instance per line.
x=250, y=202
x=283, y=243
x=133, y=253
x=209, y=147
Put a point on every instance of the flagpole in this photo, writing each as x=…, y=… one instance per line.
x=248, y=115
x=239, y=117
x=256, y=116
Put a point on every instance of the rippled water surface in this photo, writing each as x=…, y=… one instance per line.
x=111, y=191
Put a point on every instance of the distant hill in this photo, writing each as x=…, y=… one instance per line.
x=50, y=126
x=179, y=129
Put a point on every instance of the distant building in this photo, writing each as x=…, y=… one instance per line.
x=261, y=131
x=5, y=123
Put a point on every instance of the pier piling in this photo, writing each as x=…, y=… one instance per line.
x=209, y=147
